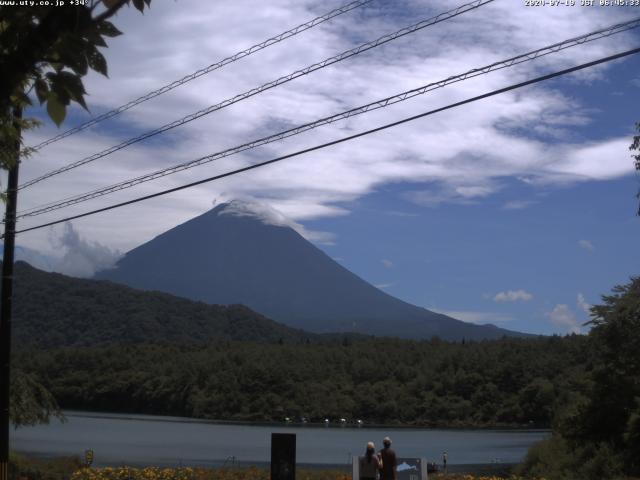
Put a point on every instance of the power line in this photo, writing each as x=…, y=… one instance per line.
x=274, y=83
x=529, y=56
x=341, y=140
x=214, y=66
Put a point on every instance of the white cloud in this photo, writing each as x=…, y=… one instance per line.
x=447, y=193
x=513, y=296
x=81, y=258
x=248, y=207
x=563, y=317
x=387, y=263
x=476, y=317
x=73, y=256
x=597, y=161
x=459, y=161
x=397, y=213
x=587, y=245
x=517, y=204
x=382, y=286
x=583, y=305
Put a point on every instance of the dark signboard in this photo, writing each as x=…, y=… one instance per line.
x=283, y=456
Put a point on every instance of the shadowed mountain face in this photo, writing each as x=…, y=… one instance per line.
x=52, y=310
x=235, y=255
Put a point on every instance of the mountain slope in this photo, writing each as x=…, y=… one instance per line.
x=53, y=310
x=233, y=254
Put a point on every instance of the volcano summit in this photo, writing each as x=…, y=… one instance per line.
x=243, y=253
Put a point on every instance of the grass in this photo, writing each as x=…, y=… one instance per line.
x=29, y=468
x=70, y=468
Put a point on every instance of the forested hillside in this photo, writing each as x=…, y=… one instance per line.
x=53, y=310
x=506, y=382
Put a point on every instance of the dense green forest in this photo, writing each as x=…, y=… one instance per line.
x=508, y=382
x=53, y=310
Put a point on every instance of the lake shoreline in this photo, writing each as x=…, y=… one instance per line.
x=120, y=439
x=292, y=424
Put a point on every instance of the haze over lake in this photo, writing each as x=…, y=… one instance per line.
x=155, y=440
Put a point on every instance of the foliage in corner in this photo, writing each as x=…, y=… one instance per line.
x=31, y=403
x=636, y=146
x=598, y=435
x=46, y=50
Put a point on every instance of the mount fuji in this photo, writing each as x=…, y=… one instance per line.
x=245, y=253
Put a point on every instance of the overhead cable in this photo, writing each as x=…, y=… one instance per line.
x=214, y=66
x=529, y=56
x=341, y=140
x=274, y=83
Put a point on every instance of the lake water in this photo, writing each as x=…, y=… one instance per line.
x=155, y=440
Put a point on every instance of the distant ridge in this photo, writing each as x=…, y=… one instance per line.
x=244, y=253
x=52, y=310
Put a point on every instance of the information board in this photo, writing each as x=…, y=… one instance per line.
x=412, y=469
x=408, y=468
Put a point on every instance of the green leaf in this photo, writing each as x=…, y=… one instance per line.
x=139, y=4
x=108, y=29
x=56, y=110
x=58, y=87
x=97, y=61
x=72, y=85
x=42, y=89
x=71, y=52
x=94, y=37
x=80, y=99
x=71, y=82
x=82, y=65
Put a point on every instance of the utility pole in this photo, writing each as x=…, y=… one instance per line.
x=6, y=297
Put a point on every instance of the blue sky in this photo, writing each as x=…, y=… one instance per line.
x=517, y=210
x=456, y=258
x=553, y=242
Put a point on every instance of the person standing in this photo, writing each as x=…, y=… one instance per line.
x=444, y=461
x=389, y=462
x=369, y=464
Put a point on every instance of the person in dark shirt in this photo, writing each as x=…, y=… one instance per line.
x=369, y=464
x=389, y=462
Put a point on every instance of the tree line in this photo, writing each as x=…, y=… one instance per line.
x=510, y=382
